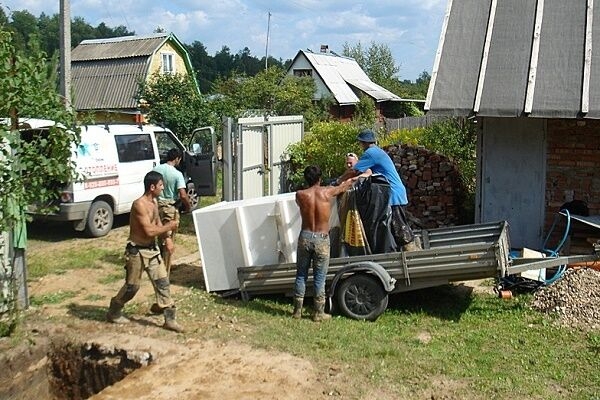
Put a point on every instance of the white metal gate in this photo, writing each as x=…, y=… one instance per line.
x=254, y=155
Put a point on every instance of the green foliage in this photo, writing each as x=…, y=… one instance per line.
x=412, y=137
x=270, y=92
x=172, y=100
x=377, y=61
x=34, y=166
x=365, y=113
x=380, y=67
x=454, y=138
x=325, y=145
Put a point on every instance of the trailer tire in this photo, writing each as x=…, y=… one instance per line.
x=99, y=219
x=361, y=297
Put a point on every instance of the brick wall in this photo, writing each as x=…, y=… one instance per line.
x=435, y=189
x=573, y=166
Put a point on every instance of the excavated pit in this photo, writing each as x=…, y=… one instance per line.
x=66, y=371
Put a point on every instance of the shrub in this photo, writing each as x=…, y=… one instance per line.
x=325, y=145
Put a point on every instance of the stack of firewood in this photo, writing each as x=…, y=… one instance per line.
x=435, y=190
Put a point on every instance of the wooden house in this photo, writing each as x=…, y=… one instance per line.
x=106, y=73
x=343, y=80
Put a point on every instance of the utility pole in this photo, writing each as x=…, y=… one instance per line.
x=65, y=52
x=267, y=46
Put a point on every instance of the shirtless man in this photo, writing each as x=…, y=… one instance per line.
x=313, y=243
x=142, y=253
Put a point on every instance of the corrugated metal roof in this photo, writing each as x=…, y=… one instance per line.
x=517, y=58
x=339, y=72
x=121, y=47
x=107, y=84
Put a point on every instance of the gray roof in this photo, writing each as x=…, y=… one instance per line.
x=341, y=73
x=517, y=58
x=99, y=85
x=120, y=47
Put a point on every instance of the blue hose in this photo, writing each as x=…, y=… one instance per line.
x=555, y=252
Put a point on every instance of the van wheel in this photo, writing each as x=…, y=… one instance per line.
x=361, y=297
x=100, y=219
x=193, y=195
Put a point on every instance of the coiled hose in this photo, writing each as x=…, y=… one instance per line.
x=513, y=281
x=555, y=252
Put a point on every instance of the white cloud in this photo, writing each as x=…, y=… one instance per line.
x=409, y=27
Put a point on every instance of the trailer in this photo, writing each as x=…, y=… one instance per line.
x=357, y=286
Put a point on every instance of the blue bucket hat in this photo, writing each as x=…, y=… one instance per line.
x=366, y=136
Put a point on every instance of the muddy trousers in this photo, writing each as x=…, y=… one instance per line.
x=138, y=261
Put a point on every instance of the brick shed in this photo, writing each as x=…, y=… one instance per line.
x=527, y=73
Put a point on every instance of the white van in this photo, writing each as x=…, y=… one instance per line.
x=112, y=161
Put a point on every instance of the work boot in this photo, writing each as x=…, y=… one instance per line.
x=156, y=309
x=319, y=313
x=114, y=313
x=298, y=307
x=170, y=322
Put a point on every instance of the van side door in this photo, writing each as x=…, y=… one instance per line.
x=201, y=160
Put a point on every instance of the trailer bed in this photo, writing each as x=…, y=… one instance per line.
x=449, y=254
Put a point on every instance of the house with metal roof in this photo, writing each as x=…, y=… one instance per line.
x=528, y=73
x=341, y=79
x=106, y=73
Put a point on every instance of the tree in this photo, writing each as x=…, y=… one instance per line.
x=203, y=65
x=377, y=62
x=270, y=92
x=172, y=100
x=24, y=26
x=31, y=163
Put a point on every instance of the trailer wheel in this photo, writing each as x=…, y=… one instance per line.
x=361, y=297
x=100, y=219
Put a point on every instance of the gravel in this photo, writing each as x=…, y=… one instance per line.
x=574, y=299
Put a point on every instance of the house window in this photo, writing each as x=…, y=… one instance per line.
x=168, y=63
x=302, y=72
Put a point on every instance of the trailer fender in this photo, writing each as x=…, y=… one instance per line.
x=387, y=281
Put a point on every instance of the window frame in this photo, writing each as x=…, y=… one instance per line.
x=167, y=62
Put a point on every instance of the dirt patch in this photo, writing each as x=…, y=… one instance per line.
x=183, y=367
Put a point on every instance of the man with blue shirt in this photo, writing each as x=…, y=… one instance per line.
x=379, y=162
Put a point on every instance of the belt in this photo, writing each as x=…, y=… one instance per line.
x=139, y=247
x=310, y=235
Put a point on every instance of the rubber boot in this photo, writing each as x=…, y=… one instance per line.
x=320, y=314
x=170, y=323
x=156, y=309
x=298, y=307
x=114, y=313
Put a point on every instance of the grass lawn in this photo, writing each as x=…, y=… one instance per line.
x=474, y=345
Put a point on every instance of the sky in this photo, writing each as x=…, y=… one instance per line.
x=410, y=28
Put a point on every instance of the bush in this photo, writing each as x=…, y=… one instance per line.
x=454, y=138
x=325, y=145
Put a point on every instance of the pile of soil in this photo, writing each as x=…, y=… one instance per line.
x=574, y=299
